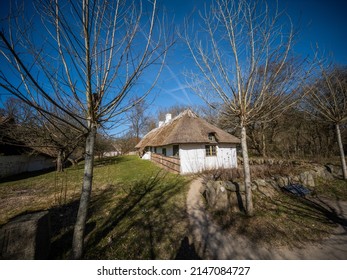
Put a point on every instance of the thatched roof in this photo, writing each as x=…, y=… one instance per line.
x=187, y=127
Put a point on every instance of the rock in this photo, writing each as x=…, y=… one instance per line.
x=273, y=184
x=282, y=181
x=330, y=168
x=260, y=183
x=232, y=186
x=268, y=191
x=216, y=195
x=266, y=187
x=223, y=196
x=320, y=171
x=306, y=178
x=258, y=161
x=295, y=179
x=334, y=170
x=26, y=237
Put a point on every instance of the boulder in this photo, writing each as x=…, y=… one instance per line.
x=260, y=183
x=306, y=178
x=223, y=196
x=334, y=170
x=266, y=187
x=228, y=185
x=272, y=183
x=26, y=237
x=216, y=195
x=268, y=191
x=295, y=179
x=282, y=181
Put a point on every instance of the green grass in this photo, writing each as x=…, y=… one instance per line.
x=335, y=189
x=137, y=211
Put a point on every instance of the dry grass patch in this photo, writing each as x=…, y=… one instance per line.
x=283, y=220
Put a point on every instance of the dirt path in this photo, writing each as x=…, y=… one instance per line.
x=211, y=242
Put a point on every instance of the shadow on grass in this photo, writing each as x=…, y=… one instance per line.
x=62, y=221
x=331, y=211
x=298, y=220
x=287, y=220
x=111, y=160
x=26, y=175
x=142, y=224
x=62, y=224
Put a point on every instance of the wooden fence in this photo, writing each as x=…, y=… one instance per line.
x=171, y=164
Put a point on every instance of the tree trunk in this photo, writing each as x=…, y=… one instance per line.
x=247, y=172
x=60, y=161
x=78, y=235
x=73, y=161
x=342, y=152
x=263, y=141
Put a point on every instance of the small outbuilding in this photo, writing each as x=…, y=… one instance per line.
x=189, y=144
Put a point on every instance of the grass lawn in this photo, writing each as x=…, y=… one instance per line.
x=137, y=211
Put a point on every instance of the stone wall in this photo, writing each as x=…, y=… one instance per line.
x=226, y=195
x=12, y=165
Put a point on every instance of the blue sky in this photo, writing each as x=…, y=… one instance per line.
x=319, y=21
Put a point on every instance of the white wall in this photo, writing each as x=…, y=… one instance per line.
x=194, y=159
x=12, y=165
x=110, y=154
x=169, y=150
x=147, y=156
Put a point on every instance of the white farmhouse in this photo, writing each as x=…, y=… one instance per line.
x=189, y=144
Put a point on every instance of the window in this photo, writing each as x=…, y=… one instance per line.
x=155, y=149
x=212, y=137
x=176, y=150
x=210, y=150
x=163, y=151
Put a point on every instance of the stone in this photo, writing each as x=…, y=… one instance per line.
x=282, y=181
x=334, y=170
x=268, y=191
x=26, y=237
x=320, y=171
x=236, y=201
x=306, y=178
x=216, y=195
x=233, y=186
x=260, y=182
x=295, y=179
x=272, y=184
x=223, y=196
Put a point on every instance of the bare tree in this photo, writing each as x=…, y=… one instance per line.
x=138, y=119
x=327, y=100
x=39, y=132
x=88, y=57
x=104, y=144
x=244, y=61
x=126, y=143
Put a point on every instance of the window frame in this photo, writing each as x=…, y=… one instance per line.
x=176, y=150
x=211, y=150
x=212, y=137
